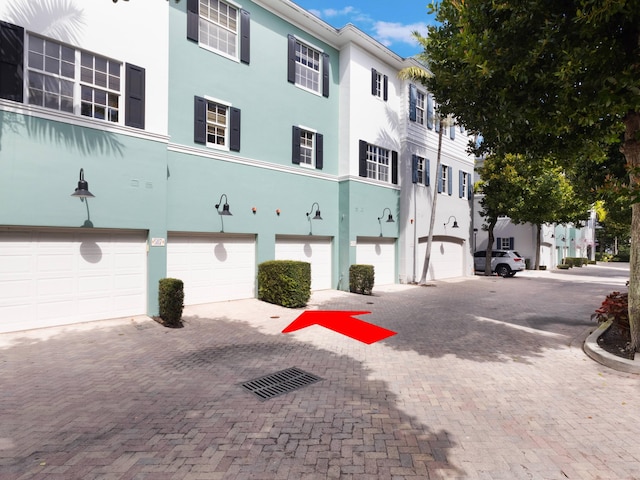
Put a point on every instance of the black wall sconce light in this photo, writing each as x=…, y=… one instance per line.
x=455, y=222
x=82, y=191
x=389, y=218
x=315, y=217
x=225, y=212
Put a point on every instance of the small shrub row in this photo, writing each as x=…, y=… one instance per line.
x=575, y=261
x=361, y=279
x=284, y=282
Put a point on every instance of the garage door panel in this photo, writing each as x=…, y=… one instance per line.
x=58, y=278
x=315, y=251
x=446, y=260
x=381, y=253
x=213, y=268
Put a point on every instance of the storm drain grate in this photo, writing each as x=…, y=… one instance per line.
x=279, y=383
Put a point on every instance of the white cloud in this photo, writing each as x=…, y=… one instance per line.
x=332, y=12
x=389, y=33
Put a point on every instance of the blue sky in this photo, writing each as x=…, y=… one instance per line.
x=391, y=23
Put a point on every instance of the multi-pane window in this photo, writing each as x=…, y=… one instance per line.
x=217, y=124
x=445, y=179
x=420, y=108
x=307, y=147
x=74, y=81
x=99, y=87
x=379, y=84
x=378, y=163
x=307, y=67
x=219, y=26
x=464, y=183
x=51, y=76
x=420, y=173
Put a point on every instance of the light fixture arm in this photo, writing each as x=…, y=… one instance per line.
x=455, y=222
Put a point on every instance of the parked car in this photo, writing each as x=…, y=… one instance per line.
x=505, y=263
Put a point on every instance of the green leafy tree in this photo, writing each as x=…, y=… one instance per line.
x=545, y=78
x=499, y=185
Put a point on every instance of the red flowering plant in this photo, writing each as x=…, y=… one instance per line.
x=615, y=308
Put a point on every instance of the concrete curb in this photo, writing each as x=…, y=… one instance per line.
x=593, y=350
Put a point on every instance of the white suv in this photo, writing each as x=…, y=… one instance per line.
x=505, y=263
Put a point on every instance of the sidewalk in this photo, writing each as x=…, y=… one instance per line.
x=485, y=379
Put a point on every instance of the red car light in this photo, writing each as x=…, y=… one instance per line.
x=517, y=259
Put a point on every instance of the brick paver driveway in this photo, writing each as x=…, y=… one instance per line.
x=485, y=379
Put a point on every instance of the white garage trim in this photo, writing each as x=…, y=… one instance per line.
x=59, y=277
x=213, y=267
x=381, y=253
x=447, y=257
x=312, y=249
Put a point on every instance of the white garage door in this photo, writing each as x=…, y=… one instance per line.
x=214, y=268
x=314, y=250
x=447, y=258
x=52, y=278
x=381, y=253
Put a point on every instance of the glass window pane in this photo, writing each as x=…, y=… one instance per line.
x=86, y=60
x=100, y=97
x=99, y=112
x=36, y=44
x=52, y=65
x=86, y=75
x=36, y=60
x=68, y=54
x=101, y=79
x=85, y=109
x=67, y=70
x=101, y=64
x=86, y=94
x=66, y=104
x=51, y=101
x=52, y=49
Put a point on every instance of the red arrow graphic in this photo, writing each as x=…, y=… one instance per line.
x=341, y=322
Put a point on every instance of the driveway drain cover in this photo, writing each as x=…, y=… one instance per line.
x=279, y=383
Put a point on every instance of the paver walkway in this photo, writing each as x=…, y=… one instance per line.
x=485, y=379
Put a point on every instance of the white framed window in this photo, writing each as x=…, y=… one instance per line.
x=378, y=163
x=420, y=98
x=75, y=81
x=445, y=179
x=464, y=183
x=218, y=26
x=420, y=171
x=307, y=147
x=217, y=124
x=308, y=67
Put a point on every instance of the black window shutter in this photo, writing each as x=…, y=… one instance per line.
x=295, y=145
x=385, y=88
x=440, y=180
x=374, y=82
x=325, y=75
x=461, y=184
x=429, y=111
x=414, y=168
x=450, y=181
x=412, y=102
x=134, y=96
x=319, y=151
x=245, y=36
x=394, y=167
x=363, y=159
x=234, y=133
x=511, y=243
x=452, y=132
x=11, y=61
x=193, y=20
x=200, y=120
x=427, y=173
x=498, y=243
x=291, y=59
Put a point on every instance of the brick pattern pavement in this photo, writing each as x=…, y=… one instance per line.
x=485, y=379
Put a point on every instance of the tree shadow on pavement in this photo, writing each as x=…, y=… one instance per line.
x=167, y=403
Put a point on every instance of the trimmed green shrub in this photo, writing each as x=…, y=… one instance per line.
x=284, y=282
x=171, y=298
x=564, y=266
x=361, y=279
